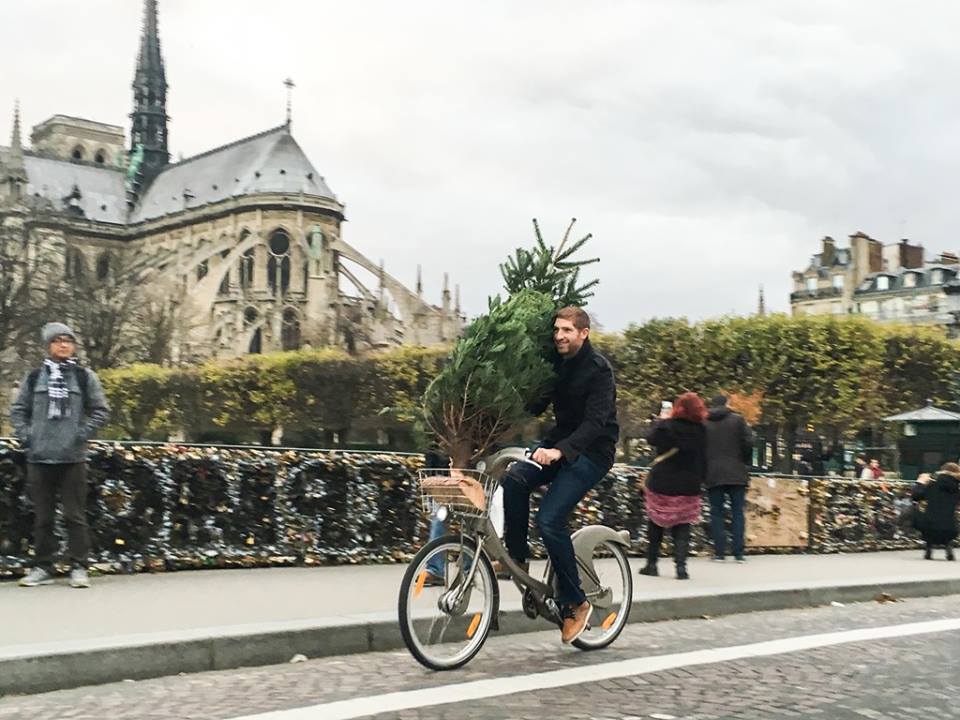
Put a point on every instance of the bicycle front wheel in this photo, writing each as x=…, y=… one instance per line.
x=611, y=603
x=444, y=622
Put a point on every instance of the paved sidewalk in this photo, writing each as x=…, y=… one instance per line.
x=185, y=621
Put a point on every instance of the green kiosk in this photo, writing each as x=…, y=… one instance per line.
x=928, y=438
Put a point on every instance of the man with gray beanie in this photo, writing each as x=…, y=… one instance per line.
x=59, y=407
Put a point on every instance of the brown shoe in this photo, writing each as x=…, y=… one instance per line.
x=576, y=623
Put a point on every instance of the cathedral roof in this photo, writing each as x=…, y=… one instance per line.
x=102, y=193
x=271, y=161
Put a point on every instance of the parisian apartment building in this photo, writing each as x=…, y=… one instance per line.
x=893, y=282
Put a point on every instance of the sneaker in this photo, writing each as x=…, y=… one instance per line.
x=741, y=560
x=650, y=570
x=37, y=576
x=950, y=554
x=79, y=578
x=575, y=622
x=717, y=558
x=682, y=573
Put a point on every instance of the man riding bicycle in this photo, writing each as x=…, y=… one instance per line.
x=574, y=456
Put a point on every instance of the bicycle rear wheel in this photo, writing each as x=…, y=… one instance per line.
x=611, y=605
x=445, y=626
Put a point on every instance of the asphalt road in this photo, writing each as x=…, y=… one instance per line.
x=871, y=660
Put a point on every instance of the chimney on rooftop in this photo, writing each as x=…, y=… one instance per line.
x=828, y=254
x=911, y=256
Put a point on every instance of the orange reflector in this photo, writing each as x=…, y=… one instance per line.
x=474, y=624
x=418, y=588
x=609, y=621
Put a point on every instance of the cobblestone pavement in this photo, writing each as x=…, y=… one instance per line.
x=910, y=677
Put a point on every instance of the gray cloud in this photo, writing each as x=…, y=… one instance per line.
x=707, y=145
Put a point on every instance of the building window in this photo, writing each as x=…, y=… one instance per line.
x=290, y=332
x=202, y=270
x=936, y=277
x=224, y=288
x=838, y=282
x=883, y=282
x=76, y=268
x=77, y=153
x=250, y=316
x=279, y=243
x=246, y=269
x=278, y=266
x=811, y=284
x=103, y=267
x=910, y=280
x=100, y=158
x=256, y=343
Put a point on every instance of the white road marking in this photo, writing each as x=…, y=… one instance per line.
x=481, y=689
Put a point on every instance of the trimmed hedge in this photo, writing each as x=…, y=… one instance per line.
x=168, y=507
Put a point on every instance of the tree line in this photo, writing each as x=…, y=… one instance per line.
x=837, y=377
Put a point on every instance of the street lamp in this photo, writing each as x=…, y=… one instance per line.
x=951, y=289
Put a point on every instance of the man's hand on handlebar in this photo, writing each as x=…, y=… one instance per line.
x=546, y=456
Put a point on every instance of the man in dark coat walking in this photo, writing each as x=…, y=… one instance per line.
x=729, y=450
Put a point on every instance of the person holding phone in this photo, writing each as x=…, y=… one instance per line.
x=674, y=483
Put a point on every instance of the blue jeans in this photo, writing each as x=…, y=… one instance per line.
x=438, y=528
x=568, y=485
x=718, y=495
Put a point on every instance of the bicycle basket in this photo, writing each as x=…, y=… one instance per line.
x=465, y=492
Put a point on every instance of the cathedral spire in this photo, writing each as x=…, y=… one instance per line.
x=149, y=127
x=16, y=142
x=761, y=304
x=13, y=178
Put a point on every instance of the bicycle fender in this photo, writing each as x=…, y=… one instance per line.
x=585, y=540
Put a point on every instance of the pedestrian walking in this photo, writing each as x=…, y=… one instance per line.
x=729, y=452
x=674, y=483
x=58, y=408
x=938, y=521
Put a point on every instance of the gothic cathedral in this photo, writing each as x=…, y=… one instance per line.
x=245, y=238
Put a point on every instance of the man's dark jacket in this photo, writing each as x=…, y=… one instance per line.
x=729, y=448
x=584, y=401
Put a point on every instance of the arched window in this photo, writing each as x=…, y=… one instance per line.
x=78, y=153
x=224, y=288
x=290, y=332
x=250, y=316
x=100, y=158
x=202, y=270
x=103, y=267
x=256, y=343
x=246, y=269
x=272, y=275
x=278, y=266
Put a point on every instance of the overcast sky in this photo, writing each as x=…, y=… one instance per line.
x=706, y=145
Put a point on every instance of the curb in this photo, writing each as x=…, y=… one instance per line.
x=57, y=666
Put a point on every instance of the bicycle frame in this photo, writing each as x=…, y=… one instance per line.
x=484, y=535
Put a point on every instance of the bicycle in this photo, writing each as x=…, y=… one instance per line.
x=445, y=626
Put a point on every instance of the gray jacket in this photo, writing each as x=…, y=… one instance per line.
x=729, y=447
x=64, y=440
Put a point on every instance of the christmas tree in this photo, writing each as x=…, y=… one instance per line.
x=504, y=361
